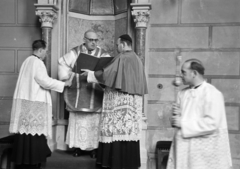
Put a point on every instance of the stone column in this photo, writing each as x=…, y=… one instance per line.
x=47, y=14
x=140, y=12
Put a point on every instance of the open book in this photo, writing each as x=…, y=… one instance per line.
x=90, y=62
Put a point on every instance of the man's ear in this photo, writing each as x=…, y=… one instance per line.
x=40, y=50
x=195, y=72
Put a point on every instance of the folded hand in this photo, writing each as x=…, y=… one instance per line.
x=176, y=121
x=176, y=110
x=176, y=115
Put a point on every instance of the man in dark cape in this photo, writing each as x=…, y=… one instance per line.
x=120, y=127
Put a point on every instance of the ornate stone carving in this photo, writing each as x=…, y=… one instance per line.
x=141, y=17
x=46, y=18
x=141, y=14
x=47, y=13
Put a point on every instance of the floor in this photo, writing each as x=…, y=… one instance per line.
x=64, y=160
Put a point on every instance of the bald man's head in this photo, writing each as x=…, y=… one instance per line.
x=90, y=39
x=192, y=72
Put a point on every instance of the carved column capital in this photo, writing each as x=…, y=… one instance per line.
x=141, y=14
x=141, y=18
x=47, y=14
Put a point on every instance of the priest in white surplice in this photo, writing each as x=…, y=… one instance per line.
x=201, y=139
x=31, y=114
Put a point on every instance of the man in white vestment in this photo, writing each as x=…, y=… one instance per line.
x=31, y=115
x=201, y=137
x=83, y=100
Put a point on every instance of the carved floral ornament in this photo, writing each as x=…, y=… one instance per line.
x=46, y=18
x=141, y=18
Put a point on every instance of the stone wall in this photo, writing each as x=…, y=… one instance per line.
x=104, y=29
x=203, y=29
x=107, y=30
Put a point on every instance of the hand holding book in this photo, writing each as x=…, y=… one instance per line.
x=93, y=63
x=85, y=72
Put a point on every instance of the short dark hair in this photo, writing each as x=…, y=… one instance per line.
x=37, y=44
x=126, y=38
x=196, y=65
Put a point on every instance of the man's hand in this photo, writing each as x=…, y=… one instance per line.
x=176, y=121
x=176, y=115
x=69, y=81
x=176, y=109
x=70, y=73
x=85, y=72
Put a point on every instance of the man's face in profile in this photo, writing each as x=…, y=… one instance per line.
x=42, y=53
x=119, y=46
x=187, y=74
x=91, y=40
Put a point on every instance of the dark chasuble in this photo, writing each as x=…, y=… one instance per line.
x=83, y=96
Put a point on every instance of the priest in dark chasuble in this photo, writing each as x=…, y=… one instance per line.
x=120, y=126
x=83, y=100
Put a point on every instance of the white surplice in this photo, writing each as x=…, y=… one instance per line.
x=121, y=115
x=32, y=104
x=202, y=142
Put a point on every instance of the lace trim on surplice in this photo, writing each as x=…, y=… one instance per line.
x=121, y=117
x=205, y=152
x=31, y=117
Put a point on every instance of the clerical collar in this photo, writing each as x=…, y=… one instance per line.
x=36, y=56
x=85, y=49
x=195, y=87
x=127, y=51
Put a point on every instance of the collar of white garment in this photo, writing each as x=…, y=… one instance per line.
x=196, y=87
x=85, y=50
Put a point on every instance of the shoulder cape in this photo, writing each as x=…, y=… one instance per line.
x=124, y=73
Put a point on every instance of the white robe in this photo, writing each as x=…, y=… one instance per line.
x=32, y=104
x=202, y=141
x=83, y=127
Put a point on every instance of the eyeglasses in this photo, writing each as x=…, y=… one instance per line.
x=92, y=40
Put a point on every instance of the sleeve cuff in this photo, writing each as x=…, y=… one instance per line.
x=91, y=78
